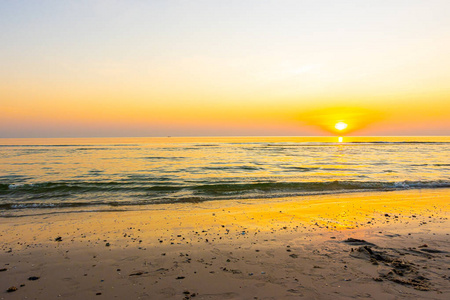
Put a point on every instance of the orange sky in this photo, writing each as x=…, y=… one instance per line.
x=278, y=68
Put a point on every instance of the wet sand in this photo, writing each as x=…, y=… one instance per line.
x=384, y=245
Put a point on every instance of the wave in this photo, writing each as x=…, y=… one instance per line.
x=117, y=194
x=84, y=187
x=212, y=187
x=274, y=187
x=433, y=165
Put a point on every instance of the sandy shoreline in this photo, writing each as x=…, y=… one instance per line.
x=246, y=249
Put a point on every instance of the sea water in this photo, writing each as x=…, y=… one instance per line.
x=56, y=175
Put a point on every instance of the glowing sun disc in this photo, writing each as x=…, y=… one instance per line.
x=340, y=126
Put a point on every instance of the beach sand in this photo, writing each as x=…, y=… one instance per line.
x=383, y=245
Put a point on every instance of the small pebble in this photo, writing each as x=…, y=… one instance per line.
x=32, y=278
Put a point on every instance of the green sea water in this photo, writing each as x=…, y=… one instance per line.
x=42, y=175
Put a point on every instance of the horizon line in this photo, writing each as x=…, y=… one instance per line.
x=219, y=136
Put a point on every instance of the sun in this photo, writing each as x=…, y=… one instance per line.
x=340, y=125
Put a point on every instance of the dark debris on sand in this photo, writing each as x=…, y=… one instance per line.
x=138, y=273
x=32, y=278
x=357, y=242
x=402, y=271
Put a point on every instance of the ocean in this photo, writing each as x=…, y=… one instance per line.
x=39, y=176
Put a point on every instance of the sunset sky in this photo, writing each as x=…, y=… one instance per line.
x=224, y=68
